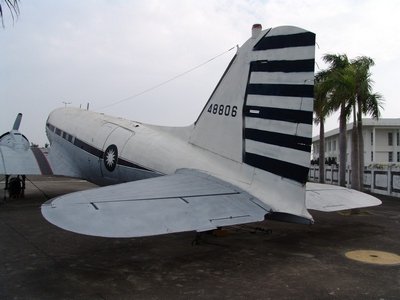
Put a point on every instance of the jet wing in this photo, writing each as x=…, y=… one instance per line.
x=185, y=201
x=30, y=161
x=325, y=197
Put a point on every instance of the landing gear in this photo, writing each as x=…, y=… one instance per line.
x=197, y=239
x=200, y=237
x=15, y=187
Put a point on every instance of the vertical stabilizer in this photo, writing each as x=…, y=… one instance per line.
x=260, y=113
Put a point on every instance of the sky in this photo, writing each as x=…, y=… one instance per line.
x=73, y=52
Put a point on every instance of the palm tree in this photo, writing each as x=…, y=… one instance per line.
x=357, y=86
x=348, y=84
x=321, y=110
x=12, y=6
x=335, y=84
x=350, y=87
x=367, y=103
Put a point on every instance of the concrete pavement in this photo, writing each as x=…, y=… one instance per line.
x=41, y=261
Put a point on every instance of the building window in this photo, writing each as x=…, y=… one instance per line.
x=372, y=156
x=334, y=145
x=390, y=157
x=397, y=138
x=398, y=156
x=329, y=146
x=372, y=138
x=390, y=138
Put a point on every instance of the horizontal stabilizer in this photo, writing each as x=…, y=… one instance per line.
x=325, y=197
x=185, y=201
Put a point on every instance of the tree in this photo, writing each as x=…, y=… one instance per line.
x=12, y=6
x=334, y=83
x=321, y=110
x=367, y=103
x=356, y=88
x=350, y=88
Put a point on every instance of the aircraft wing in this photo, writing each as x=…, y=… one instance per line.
x=18, y=158
x=185, y=201
x=30, y=161
x=325, y=197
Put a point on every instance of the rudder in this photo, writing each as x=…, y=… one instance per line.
x=261, y=111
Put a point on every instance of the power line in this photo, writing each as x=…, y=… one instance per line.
x=166, y=81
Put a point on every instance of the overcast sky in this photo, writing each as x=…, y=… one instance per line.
x=101, y=52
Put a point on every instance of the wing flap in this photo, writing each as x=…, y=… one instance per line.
x=324, y=197
x=186, y=201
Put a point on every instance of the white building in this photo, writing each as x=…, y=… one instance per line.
x=381, y=142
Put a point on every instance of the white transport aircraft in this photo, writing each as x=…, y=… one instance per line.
x=245, y=159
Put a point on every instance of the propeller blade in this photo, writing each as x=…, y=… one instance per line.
x=17, y=121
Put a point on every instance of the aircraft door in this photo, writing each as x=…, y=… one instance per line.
x=112, y=148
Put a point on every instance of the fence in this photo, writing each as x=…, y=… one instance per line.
x=384, y=181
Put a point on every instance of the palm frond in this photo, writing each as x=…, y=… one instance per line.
x=13, y=7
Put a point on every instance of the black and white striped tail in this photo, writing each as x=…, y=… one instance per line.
x=278, y=107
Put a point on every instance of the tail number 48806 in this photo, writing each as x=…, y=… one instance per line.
x=222, y=110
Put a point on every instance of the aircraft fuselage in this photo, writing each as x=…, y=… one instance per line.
x=112, y=150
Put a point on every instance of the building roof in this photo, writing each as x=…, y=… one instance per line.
x=367, y=122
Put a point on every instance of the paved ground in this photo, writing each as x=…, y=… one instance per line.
x=40, y=261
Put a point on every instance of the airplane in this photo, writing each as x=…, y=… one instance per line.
x=245, y=159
